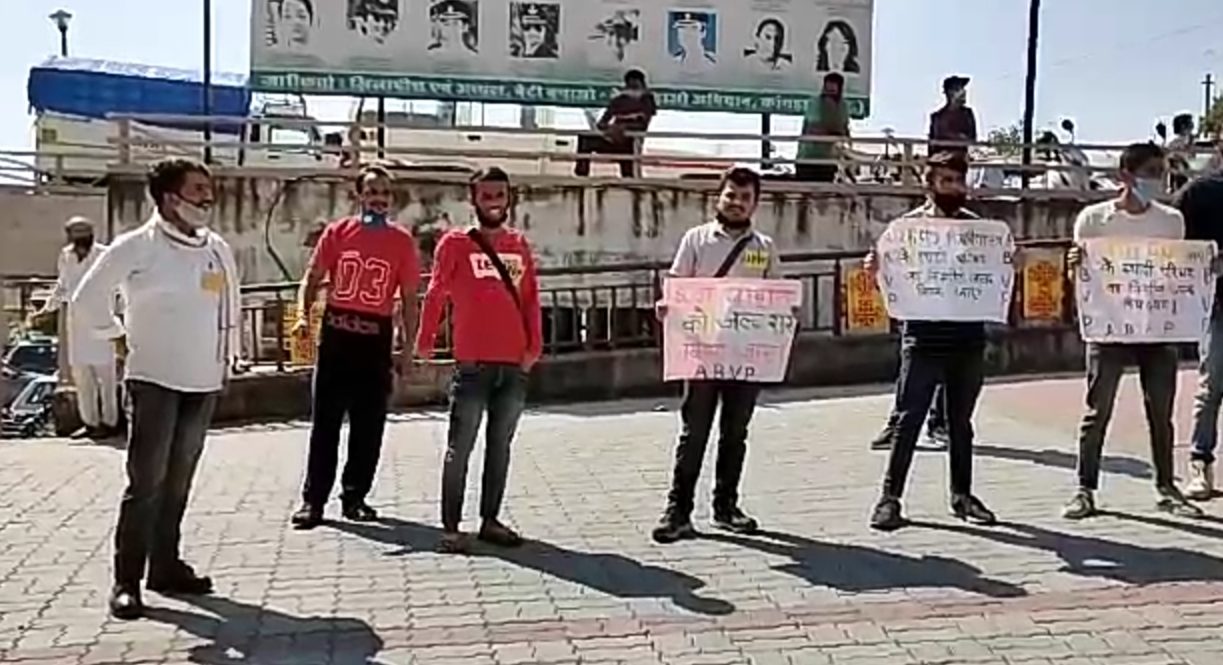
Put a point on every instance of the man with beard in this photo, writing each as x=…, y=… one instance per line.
x=728, y=246
x=950, y=352
x=487, y=274
x=91, y=360
x=369, y=260
x=828, y=117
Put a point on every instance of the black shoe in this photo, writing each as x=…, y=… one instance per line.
x=358, y=511
x=734, y=520
x=181, y=580
x=887, y=515
x=307, y=517
x=970, y=509
x=125, y=603
x=1174, y=503
x=672, y=528
x=883, y=441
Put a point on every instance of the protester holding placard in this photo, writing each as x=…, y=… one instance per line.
x=725, y=247
x=1202, y=205
x=1135, y=214
x=950, y=352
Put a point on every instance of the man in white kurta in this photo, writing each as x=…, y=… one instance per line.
x=90, y=358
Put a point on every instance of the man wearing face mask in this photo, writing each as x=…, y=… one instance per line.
x=90, y=359
x=954, y=123
x=728, y=246
x=950, y=353
x=630, y=111
x=1134, y=214
x=487, y=275
x=370, y=261
x=181, y=321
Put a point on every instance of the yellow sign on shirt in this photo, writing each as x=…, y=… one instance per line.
x=756, y=259
x=213, y=281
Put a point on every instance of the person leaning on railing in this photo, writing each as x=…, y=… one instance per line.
x=827, y=116
x=631, y=111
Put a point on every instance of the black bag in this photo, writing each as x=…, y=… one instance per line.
x=734, y=255
x=508, y=281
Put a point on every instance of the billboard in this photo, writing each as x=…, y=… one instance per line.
x=742, y=56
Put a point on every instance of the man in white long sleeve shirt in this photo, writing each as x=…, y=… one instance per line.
x=90, y=359
x=179, y=283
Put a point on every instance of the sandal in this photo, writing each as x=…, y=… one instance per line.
x=453, y=543
x=496, y=533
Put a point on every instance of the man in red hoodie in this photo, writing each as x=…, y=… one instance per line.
x=487, y=274
x=368, y=260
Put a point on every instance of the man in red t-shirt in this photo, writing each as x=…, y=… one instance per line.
x=487, y=273
x=367, y=260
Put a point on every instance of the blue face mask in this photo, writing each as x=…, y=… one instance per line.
x=372, y=218
x=1146, y=190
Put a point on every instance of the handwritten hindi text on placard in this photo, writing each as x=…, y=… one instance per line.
x=946, y=269
x=1145, y=291
x=729, y=329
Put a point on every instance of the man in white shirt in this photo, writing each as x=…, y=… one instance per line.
x=1135, y=214
x=179, y=283
x=91, y=360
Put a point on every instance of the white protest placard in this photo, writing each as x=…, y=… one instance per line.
x=947, y=269
x=729, y=329
x=1137, y=290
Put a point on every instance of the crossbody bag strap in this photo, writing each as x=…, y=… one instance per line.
x=735, y=252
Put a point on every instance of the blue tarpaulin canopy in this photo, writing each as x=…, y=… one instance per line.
x=97, y=88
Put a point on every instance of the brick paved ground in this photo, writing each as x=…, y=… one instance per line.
x=1133, y=588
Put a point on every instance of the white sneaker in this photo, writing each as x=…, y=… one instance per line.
x=1201, y=485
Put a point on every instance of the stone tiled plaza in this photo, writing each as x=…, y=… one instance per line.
x=1129, y=588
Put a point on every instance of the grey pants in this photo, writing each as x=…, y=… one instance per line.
x=501, y=391
x=1106, y=363
x=165, y=439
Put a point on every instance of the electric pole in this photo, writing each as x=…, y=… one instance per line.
x=1208, y=84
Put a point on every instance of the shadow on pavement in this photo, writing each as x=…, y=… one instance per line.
x=609, y=573
x=860, y=569
x=1103, y=559
x=1061, y=459
x=243, y=633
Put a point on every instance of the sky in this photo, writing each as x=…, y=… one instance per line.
x=1113, y=66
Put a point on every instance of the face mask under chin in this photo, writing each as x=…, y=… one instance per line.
x=195, y=216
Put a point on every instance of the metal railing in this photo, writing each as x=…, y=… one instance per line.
x=605, y=308
x=891, y=161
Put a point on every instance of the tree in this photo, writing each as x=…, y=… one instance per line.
x=1006, y=140
x=1212, y=124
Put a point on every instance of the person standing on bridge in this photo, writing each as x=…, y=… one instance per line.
x=1134, y=214
x=369, y=260
x=487, y=274
x=728, y=246
x=1201, y=203
x=90, y=359
x=950, y=353
x=181, y=320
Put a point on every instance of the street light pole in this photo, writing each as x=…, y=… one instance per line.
x=1029, y=89
x=207, y=106
x=61, y=19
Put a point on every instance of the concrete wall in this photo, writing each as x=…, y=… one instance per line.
x=32, y=225
x=571, y=222
x=816, y=360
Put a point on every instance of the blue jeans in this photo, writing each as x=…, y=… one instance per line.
x=1210, y=391
x=501, y=390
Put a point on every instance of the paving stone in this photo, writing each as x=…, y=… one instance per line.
x=1129, y=588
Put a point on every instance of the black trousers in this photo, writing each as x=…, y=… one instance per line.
x=961, y=372
x=588, y=145
x=1157, y=367
x=352, y=377
x=700, y=405
x=164, y=443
